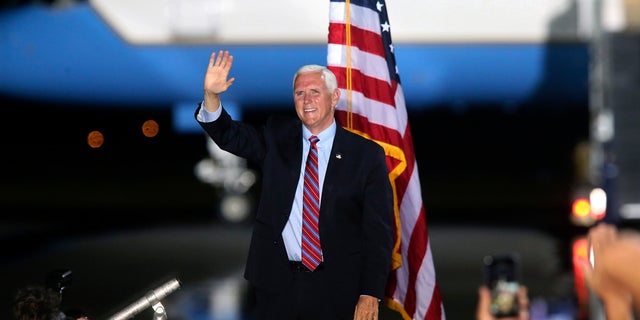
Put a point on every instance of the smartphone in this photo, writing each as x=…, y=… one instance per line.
x=502, y=276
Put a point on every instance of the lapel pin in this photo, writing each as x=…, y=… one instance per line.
x=338, y=156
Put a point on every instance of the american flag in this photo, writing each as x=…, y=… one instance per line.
x=361, y=54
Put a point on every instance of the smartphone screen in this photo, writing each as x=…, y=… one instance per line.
x=502, y=276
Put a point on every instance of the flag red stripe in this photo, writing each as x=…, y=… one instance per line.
x=402, y=183
x=364, y=40
x=418, y=249
x=435, y=311
x=375, y=131
x=372, y=88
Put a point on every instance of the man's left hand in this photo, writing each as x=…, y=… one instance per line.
x=366, y=309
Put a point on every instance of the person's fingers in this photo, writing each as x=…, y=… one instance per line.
x=365, y=313
x=602, y=234
x=216, y=60
x=219, y=58
x=599, y=237
x=483, y=310
x=222, y=57
x=212, y=58
x=229, y=62
x=523, y=297
x=222, y=60
x=523, y=303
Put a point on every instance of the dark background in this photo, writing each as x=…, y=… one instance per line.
x=481, y=164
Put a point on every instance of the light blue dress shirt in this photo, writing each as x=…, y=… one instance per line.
x=292, y=233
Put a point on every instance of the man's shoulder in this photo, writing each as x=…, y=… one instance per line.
x=282, y=119
x=283, y=125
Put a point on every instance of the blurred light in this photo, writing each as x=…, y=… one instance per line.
x=95, y=139
x=581, y=208
x=150, y=128
x=585, y=211
x=580, y=252
x=604, y=126
x=225, y=299
x=581, y=212
x=598, y=201
x=630, y=210
x=235, y=207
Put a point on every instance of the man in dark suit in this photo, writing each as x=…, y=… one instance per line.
x=356, y=202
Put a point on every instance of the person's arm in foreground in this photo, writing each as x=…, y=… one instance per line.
x=614, y=277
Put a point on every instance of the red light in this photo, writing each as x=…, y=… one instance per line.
x=580, y=251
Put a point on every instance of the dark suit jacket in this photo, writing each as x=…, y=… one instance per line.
x=356, y=214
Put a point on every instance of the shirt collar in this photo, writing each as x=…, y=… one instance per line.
x=326, y=136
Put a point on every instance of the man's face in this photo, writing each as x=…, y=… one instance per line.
x=314, y=103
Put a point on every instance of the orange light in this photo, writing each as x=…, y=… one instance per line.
x=580, y=248
x=150, y=128
x=581, y=208
x=95, y=139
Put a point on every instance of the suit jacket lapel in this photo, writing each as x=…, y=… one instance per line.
x=291, y=157
x=288, y=153
x=334, y=167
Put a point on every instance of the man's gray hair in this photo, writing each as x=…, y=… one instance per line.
x=328, y=76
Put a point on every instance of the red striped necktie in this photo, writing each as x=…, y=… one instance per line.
x=311, y=251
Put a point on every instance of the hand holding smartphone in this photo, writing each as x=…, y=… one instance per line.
x=502, y=276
